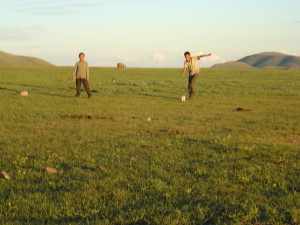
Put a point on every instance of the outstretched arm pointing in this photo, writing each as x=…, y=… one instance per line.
x=201, y=56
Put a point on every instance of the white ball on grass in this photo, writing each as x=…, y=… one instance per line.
x=183, y=98
x=24, y=93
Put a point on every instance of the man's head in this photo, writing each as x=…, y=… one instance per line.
x=187, y=56
x=81, y=56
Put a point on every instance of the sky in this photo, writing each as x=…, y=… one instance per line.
x=148, y=33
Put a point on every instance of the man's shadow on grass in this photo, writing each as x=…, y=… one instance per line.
x=158, y=96
x=36, y=91
x=24, y=85
x=9, y=89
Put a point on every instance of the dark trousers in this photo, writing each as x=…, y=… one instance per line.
x=85, y=85
x=192, y=84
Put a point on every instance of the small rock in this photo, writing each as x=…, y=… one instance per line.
x=149, y=119
x=54, y=154
x=281, y=161
x=107, y=194
x=189, y=190
x=133, y=159
x=101, y=168
x=51, y=170
x=167, y=196
x=4, y=175
x=24, y=93
x=185, y=207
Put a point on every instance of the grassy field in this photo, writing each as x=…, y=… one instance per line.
x=198, y=162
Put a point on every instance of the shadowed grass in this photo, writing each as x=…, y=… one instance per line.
x=198, y=162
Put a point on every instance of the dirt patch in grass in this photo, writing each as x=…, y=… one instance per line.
x=243, y=110
x=154, y=147
x=173, y=131
x=85, y=117
x=291, y=140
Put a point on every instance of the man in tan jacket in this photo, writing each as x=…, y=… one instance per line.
x=191, y=64
x=81, y=74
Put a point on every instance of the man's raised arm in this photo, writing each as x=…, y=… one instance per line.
x=201, y=56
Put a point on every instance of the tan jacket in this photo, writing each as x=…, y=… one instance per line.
x=81, y=71
x=192, y=66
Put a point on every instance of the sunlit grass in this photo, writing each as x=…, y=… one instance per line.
x=198, y=162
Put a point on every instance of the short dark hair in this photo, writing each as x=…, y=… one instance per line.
x=187, y=53
x=81, y=53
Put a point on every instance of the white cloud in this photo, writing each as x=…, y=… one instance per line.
x=128, y=58
x=31, y=33
x=290, y=53
x=141, y=59
x=211, y=60
x=56, y=7
x=159, y=57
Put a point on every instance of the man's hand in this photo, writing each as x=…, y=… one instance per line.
x=183, y=72
x=209, y=54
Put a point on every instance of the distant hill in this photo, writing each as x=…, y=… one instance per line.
x=7, y=59
x=233, y=65
x=265, y=60
x=271, y=60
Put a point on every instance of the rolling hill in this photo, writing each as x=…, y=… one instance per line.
x=265, y=60
x=271, y=60
x=7, y=59
x=233, y=65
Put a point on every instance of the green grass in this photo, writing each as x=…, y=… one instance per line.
x=198, y=162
